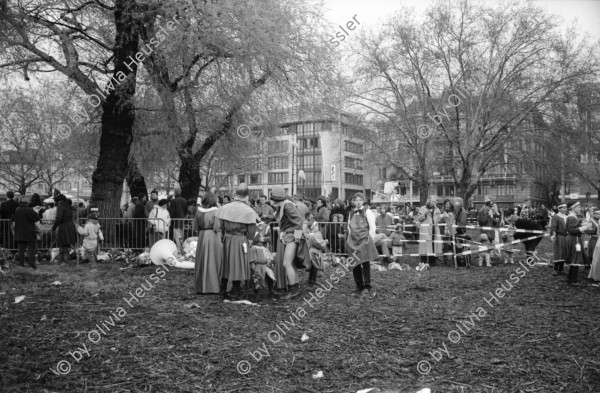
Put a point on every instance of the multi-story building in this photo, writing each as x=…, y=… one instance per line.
x=321, y=153
x=509, y=182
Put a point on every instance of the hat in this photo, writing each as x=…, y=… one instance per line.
x=398, y=226
x=483, y=237
x=562, y=205
x=278, y=194
x=487, y=198
x=93, y=216
x=572, y=204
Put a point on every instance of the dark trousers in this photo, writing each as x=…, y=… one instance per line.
x=430, y=259
x=573, y=272
x=31, y=252
x=558, y=266
x=362, y=275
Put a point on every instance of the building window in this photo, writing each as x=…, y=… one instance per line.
x=274, y=147
x=353, y=179
x=241, y=179
x=353, y=147
x=310, y=143
x=354, y=163
x=255, y=179
x=278, y=178
x=277, y=163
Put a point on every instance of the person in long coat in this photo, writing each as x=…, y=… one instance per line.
x=209, y=251
x=66, y=234
x=428, y=218
x=594, y=232
x=25, y=231
x=360, y=245
x=558, y=234
x=237, y=221
x=595, y=270
x=575, y=252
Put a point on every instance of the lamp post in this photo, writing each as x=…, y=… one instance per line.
x=295, y=145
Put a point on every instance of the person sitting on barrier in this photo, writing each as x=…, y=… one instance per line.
x=91, y=235
x=316, y=246
x=485, y=255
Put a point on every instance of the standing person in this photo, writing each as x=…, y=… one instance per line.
x=152, y=202
x=290, y=234
x=428, y=218
x=91, y=234
x=237, y=221
x=66, y=234
x=264, y=211
x=322, y=215
x=209, y=251
x=25, y=231
x=360, y=245
x=7, y=212
x=316, y=246
x=460, y=216
x=160, y=219
x=489, y=216
x=594, y=232
x=575, y=254
x=300, y=205
x=139, y=223
x=448, y=230
x=558, y=234
x=178, y=213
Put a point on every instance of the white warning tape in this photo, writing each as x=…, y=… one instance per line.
x=500, y=229
x=482, y=248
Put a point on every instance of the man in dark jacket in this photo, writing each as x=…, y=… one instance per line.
x=139, y=222
x=7, y=211
x=25, y=231
x=179, y=208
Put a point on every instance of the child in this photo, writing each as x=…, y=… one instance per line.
x=259, y=257
x=507, y=237
x=316, y=246
x=485, y=255
x=398, y=242
x=91, y=233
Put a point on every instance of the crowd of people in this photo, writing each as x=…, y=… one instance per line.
x=306, y=230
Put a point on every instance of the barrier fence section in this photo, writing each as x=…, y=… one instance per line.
x=452, y=245
x=132, y=233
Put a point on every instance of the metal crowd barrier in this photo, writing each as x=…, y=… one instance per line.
x=117, y=232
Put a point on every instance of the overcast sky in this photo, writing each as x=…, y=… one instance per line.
x=372, y=11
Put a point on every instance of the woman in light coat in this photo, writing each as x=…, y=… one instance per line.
x=428, y=218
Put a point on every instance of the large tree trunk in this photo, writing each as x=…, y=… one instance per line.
x=189, y=176
x=135, y=180
x=118, y=116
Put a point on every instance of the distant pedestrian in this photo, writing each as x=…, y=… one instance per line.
x=66, y=234
x=25, y=231
x=91, y=235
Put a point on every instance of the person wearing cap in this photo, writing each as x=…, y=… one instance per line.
x=558, y=235
x=237, y=223
x=594, y=220
x=316, y=245
x=460, y=216
x=290, y=234
x=575, y=254
x=91, y=235
x=360, y=245
x=25, y=231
